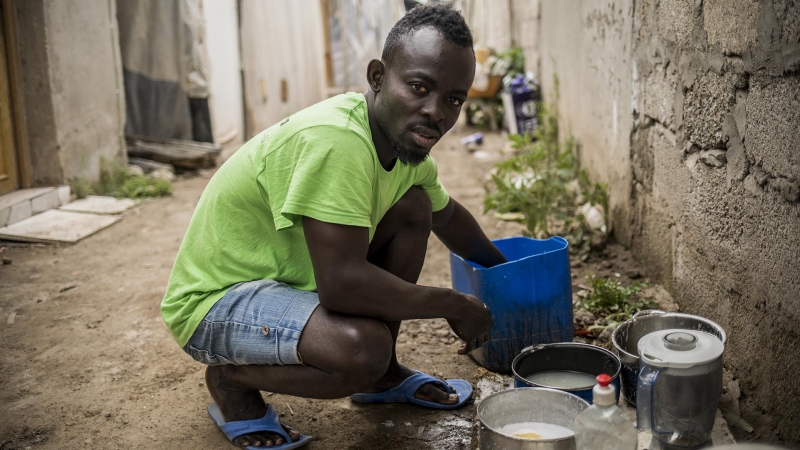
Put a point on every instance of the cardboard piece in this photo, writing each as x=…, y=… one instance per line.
x=100, y=205
x=57, y=226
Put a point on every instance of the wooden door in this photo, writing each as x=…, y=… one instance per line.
x=8, y=163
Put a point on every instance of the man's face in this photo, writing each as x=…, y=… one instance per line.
x=424, y=86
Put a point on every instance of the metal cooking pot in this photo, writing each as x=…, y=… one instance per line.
x=626, y=338
x=568, y=356
x=527, y=405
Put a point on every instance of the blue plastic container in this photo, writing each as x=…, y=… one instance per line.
x=569, y=356
x=530, y=297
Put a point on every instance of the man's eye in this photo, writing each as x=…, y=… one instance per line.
x=456, y=101
x=418, y=87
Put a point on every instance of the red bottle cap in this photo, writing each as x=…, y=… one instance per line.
x=603, y=379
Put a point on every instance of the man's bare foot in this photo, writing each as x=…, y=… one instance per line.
x=238, y=403
x=431, y=392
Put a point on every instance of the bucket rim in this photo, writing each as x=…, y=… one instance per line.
x=559, y=239
x=534, y=348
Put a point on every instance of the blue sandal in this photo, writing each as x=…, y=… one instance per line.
x=404, y=392
x=269, y=424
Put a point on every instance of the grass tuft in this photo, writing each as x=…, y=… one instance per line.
x=116, y=181
x=616, y=303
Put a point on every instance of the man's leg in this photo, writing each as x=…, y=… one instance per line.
x=341, y=355
x=399, y=246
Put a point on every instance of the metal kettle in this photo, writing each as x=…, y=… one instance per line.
x=678, y=388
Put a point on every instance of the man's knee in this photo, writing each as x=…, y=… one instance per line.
x=414, y=208
x=366, y=348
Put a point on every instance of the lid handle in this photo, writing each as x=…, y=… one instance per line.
x=680, y=341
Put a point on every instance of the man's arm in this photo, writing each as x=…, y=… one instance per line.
x=349, y=284
x=460, y=232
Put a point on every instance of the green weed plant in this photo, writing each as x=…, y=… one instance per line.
x=542, y=185
x=116, y=181
x=608, y=298
x=138, y=187
x=82, y=187
x=513, y=59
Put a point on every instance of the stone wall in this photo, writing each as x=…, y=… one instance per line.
x=37, y=94
x=72, y=87
x=690, y=110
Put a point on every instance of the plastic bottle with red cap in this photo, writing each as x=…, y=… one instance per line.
x=603, y=426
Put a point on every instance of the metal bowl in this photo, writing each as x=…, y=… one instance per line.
x=570, y=356
x=626, y=338
x=527, y=405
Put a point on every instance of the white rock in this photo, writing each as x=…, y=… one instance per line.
x=163, y=174
x=135, y=171
x=593, y=216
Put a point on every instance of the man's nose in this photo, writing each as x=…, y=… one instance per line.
x=433, y=109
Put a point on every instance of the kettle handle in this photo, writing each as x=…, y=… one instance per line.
x=645, y=412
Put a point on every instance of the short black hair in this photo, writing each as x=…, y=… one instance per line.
x=440, y=16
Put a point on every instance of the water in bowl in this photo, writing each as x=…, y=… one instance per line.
x=562, y=379
x=535, y=430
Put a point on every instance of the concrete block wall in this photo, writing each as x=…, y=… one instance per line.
x=690, y=110
x=18, y=205
x=72, y=87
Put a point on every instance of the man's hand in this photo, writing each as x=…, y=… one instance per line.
x=473, y=325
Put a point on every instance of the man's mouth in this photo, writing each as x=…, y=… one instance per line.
x=425, y=137
x=423, y=140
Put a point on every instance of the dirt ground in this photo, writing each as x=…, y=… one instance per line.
x=88, y=362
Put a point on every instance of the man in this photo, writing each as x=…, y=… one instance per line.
x=301, y=259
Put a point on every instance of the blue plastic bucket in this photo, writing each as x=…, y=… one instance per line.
x=567, y=356
x=530, y=297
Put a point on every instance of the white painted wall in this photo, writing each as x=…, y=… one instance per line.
x=525, y=28
x=282, y=44
x=587, y=44
x=226, y=102
x=490, y=22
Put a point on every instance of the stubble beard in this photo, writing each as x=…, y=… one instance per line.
x=407, y=156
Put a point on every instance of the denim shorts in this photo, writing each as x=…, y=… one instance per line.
x=256, y=322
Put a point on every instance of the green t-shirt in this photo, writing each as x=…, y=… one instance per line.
x=320, y=163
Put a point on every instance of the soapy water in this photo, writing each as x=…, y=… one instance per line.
x=535, y=430
x=562, y=379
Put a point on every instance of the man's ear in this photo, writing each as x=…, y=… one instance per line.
x=376, y=70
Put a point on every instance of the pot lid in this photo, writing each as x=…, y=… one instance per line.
x=679, y=348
